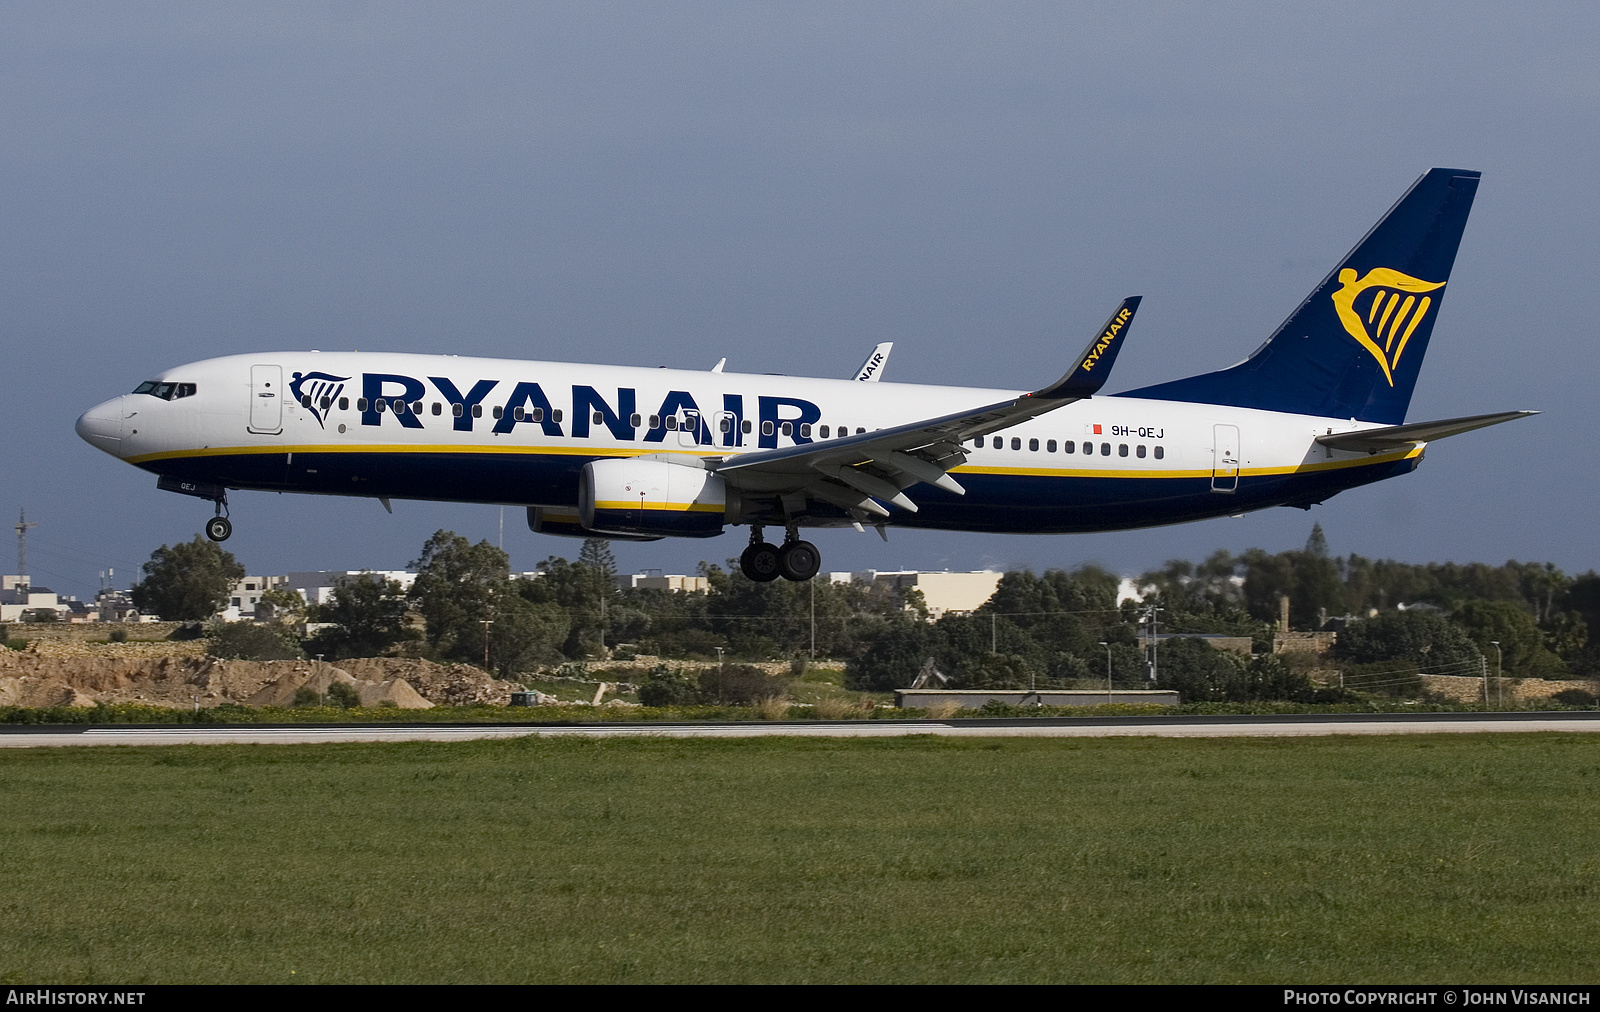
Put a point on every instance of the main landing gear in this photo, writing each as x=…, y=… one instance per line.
x=796, y=560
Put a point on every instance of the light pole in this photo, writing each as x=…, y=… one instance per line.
x=1108, y=669
x=1499, y=686
x=487, y=622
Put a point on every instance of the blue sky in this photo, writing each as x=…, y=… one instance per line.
x=785, y=185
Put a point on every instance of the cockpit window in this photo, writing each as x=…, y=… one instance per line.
x=165, y=391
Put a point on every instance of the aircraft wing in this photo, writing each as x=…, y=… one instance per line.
x=871, y=370
x=854, y=471
x=1393, y=436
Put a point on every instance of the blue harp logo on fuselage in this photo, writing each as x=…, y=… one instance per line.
x=316, y=392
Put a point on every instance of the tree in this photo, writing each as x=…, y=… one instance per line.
x=186, y=582
x=523, y=634
x=282, y=606
x=457, y=588
x=368, y=614
x=1421, y=638
x=1522, y=648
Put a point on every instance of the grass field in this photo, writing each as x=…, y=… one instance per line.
x=1460, y=858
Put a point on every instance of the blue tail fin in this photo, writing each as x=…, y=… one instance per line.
x=1354, y=347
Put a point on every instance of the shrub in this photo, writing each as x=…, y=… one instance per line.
x=118, y=636
x=343, y=694
x=739, y=685
x=247, y=641
x=307, y=696
x=668, y=686
x=1575, y=697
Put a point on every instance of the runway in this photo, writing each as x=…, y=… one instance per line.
x=1229, y=726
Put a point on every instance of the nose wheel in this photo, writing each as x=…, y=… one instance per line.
x=219, y=527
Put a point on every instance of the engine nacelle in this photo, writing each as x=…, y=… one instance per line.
x=563, y=522
x=652, y=498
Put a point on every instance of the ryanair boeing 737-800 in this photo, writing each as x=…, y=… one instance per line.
x=635, y=453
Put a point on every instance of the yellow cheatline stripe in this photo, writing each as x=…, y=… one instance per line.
x=669, y=507
x=613, y=451
x=1057, y=472
x=435, y=448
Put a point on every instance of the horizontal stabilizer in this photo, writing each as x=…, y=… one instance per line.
x=1394, y=436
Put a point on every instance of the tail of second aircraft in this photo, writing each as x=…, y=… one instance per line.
x=1354, y=347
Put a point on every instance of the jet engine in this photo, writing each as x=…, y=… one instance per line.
x=661, y=498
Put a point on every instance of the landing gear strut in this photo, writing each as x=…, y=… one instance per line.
x=759, y=562
x=219, y=527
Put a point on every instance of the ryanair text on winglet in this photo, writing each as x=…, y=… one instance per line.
x=1105, y=339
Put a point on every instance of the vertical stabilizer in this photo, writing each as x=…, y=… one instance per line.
x=1354, y=347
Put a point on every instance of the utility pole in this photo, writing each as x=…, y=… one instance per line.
x=1499, y=683
x=1109, y=697
x=487, y=622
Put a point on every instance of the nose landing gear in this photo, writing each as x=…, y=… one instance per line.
x=219, y=527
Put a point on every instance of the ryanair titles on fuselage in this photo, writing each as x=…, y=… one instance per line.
x=528, y=403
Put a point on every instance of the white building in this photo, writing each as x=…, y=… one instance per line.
x=18, y=596
x=317, y=587
x=654, y=579
x=941, y=592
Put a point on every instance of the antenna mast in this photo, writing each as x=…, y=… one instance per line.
x=22, y=525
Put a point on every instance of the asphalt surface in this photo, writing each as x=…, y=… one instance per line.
x=1230, y=726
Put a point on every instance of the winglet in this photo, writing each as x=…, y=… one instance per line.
x=1093, y=367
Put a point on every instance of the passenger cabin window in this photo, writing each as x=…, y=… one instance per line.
x=1016, y=443
x=599, y=419
x=1122, y=449
x=805, y=429
x=672, y=423
x=766, y=428
x=555, y=416
x=1033, y=444
x=725, y=424
x=516, y=414
x=1050, y=447
x=1088, y=448
x=788, y=428
x=327, y=402
x=344, y=404
x=1158, y=453
x=1140, y=451
x=824, y=432
x=999, y=443
x=500, y=412
x=477, y=411
x=746, y=426
x=361, y=404
x=458, y=410
x=1105, y=449
x=1069, y=446
x=437, y=409
x=634, y=420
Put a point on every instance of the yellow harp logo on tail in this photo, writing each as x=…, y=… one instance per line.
x=1388, y=314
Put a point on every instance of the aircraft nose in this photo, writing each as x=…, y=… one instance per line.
x=101, y=426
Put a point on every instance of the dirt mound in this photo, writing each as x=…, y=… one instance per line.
x=43, y=679
x=282, y=690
